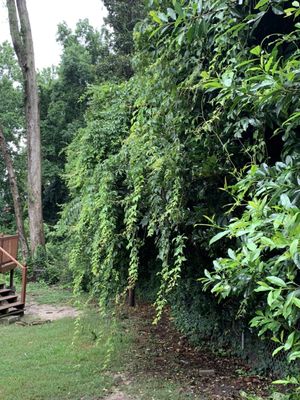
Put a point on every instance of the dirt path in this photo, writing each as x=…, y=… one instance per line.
x=49, y=312
x=161, y=351
x=118, y=396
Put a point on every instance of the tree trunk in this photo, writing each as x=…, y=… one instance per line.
x=131, y=297
x=15, y=194
x=22, y=40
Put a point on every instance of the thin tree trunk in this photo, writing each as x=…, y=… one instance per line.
x=15, y=194
x=131, y=297
x=22, y=40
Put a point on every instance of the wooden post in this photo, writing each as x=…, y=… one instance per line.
x=131, y=297
x=24, y=284
x=11, y=279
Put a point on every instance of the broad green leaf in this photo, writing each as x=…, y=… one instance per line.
x=275, y=339
x=178, y=7
x=294, y=356
x=277, y=10
x=285, y=201
x=264, y=284
x=231, y=254
x=289, y=342
x=296, y=259
x=269, y=64
x=276, y=294
x=190, y=33
x=155, y=17
x=213, y=84
x=294, y=247
x=207, y=274
x=276, y=281
x=270, y=299
x=267, y=242
x=261, y=3
x=162, y=17
x=277, y=350
x=281, y=382
x=296, y=301
x=172, y=13
x=218, y=236
x=263, y=289
x=180, y=37
x=251, y=245
x=227, y=78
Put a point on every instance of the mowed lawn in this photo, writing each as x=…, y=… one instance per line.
x=60, y=360
x=77, y=359
x=92, y=357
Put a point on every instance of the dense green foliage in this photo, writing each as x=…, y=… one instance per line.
x=89, y=57
x=193, y=131
x=214, y=90
x=262, y=266
x=122, y=17
x=91, y=179
x=63, y=104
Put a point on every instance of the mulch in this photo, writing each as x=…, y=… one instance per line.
x=163, y=352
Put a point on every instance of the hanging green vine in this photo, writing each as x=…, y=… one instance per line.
x=215, y=91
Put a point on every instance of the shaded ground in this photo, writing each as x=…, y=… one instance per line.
x=160, y=365
x=160, y=352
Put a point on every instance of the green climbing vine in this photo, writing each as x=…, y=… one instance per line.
x=215, y=94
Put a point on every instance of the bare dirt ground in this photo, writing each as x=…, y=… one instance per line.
x=160, y=350
x=117, y=396
x=47, y=312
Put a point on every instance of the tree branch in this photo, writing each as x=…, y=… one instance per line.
x=25, y=31
x=15, y=33
x=15, y=193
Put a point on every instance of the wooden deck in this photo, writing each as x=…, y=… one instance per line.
x=10, y=303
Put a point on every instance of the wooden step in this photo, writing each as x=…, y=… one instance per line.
x=6, y=291
x=13, y=312
x=11, y=298
x=2, y=285
x=17, y=305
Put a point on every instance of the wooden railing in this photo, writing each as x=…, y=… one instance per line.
x=8, y=261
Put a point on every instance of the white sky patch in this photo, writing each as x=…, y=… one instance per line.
x=45, y=15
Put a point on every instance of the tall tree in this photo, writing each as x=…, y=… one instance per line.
x=122, y=18
x=11, y=134
x=22, y=40
x=15, y=193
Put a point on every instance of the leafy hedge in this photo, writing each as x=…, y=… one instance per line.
x=215, y=90
x=263, y=266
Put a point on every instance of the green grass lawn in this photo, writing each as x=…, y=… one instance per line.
x=40, y=362
x=89, y=358
x=59, y=360
x=55, y=295
x=68, y=360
